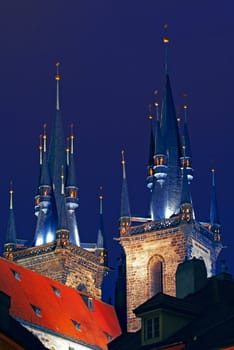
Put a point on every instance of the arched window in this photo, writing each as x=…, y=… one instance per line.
x=155, y=276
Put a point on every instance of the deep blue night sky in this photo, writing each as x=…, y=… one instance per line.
x=112, y=59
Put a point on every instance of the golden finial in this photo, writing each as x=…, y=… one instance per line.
x=40, y=148
x=150, y=111
x=57, y=76
x=100, y=195
x=165, y=39
x=123, y=160
x=72, y=128
x=11, y=194
x=67, y=150
x=44, y=137
x=62, y=180
x=72, y=138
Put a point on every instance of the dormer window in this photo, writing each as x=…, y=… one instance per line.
x=56, y=291
x=151, y=328
x=76, y=324
x=16, y=275
x=37, y=310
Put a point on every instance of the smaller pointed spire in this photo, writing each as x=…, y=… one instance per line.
x=150, y=173
x=125, y=206
x=100, y=238
x=185, y=193
x=125, y=215
x=57, y=78
x=71, y=173
x=214, y=217
x=40, y=148
x=11, y=230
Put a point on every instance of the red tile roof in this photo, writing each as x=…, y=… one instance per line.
x=30, y=291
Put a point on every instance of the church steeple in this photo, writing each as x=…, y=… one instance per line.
x=214, y=216
x=125, y=215
x=10, y=243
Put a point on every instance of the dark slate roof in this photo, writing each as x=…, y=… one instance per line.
x=210, y=328
x=168, y=302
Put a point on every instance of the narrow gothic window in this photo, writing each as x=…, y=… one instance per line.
x=156, y=278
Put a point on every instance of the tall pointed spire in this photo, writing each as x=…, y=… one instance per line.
x=57, y=154
x=10, y=242
x=214, y=216
x=125, y=215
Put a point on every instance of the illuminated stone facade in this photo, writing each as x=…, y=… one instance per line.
x=169, y=242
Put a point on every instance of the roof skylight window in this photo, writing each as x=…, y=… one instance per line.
x=76, y=324
x=56, y=291
x=16, y=275
x=37, y=310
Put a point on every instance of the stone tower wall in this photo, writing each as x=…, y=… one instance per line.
x=168, y=246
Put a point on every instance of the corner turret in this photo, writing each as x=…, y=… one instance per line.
x=186, y=158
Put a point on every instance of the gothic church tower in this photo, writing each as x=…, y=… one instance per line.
x=56, y=250
x=155, y=246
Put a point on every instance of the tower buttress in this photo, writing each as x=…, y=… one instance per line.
x=10, y=242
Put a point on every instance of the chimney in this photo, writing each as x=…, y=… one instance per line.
x=191, y=275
